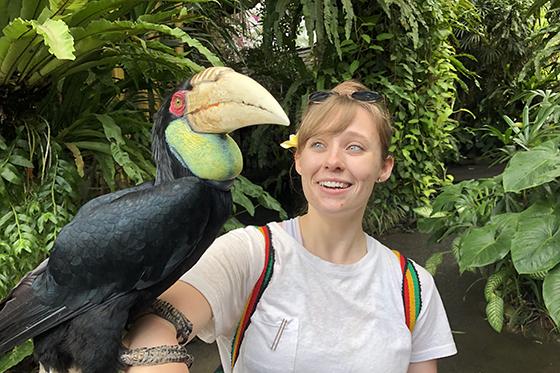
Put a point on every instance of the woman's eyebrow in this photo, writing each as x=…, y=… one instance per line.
x=355, y=134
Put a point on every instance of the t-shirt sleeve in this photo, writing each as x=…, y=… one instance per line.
x=431, y=337
x=225, y=275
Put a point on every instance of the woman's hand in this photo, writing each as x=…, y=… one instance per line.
x=151, y=330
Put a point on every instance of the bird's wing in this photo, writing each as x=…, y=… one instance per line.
x=128, y=241
x=112, y=248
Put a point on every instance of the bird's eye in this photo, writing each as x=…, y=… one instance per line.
x=177, y=106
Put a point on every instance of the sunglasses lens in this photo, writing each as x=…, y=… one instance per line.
x=366, y=96
x=319, y=96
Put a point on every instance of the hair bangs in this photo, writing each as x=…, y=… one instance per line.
x=330, y=117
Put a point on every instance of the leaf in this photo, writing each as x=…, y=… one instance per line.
x=528, y=169
x=495, y=280
x=15, y=356
x=384, y=36
x=114, y=135
x=246, y=187
x=353, y=67
x=434, y=262
x=551, y=294
x=349, y=17
x=486, y=245
x=232, y=223
x=241, y=199
x=9, y=173
x=62, y=7
x=57, y=37
x=186, y=38
x=96, y=146
x=20, y=161
x=77, y=158
x=107, y=169
x=534, y=247
x=495, y=313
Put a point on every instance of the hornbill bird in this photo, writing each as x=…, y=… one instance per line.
x=125, y=248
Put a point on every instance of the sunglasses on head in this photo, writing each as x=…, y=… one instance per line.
x=363, y=96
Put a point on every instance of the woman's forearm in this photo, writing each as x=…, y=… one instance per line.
x=151, y=330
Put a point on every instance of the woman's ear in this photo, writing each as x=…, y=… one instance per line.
x=386, y=169
x=297, y=162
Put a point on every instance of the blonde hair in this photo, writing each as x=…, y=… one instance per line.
x=336, y=113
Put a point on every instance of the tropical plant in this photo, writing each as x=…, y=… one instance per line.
x=403, y=49
x=508, y=226
x=543, y=68
x=497, y=46
x=79, y=83
x=529, y=132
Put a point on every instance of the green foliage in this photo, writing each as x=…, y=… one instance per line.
x=510, y=224
x=529, y=131
x=33, y=208
x=543, y=68
x=79, y=82
x=244, y=192
x=495, y=42
x=400, y=48
x=15, y=356
x=551, y=294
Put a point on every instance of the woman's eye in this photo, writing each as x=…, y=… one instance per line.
x=355, y=148
x=317, y=145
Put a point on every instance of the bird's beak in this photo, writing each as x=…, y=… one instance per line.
x=222, y=100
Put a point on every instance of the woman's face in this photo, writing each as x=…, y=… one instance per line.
x=338, y=171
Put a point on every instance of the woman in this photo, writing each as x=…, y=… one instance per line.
x=334, y=301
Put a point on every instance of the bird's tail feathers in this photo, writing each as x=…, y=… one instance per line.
x=23, y=316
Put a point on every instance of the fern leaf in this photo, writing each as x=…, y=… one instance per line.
x=349, y=17
x=331, y=24
x=328, y=18
x=309, y=16
x=280, y=11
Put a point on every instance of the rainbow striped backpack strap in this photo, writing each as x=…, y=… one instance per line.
x=411, y=290
x=255, y=296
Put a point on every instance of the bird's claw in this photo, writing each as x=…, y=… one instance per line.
x=168, y=312
x=155, y=355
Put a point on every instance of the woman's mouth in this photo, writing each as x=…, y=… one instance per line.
x=334, y=184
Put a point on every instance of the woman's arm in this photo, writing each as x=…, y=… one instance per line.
x=429, y=366
x=152, y=330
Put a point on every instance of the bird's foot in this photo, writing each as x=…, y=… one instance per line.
x=155, y=355
x=168, y=312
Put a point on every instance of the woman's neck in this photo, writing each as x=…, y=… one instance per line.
x=340, y=241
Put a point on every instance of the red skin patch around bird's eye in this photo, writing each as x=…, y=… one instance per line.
x=177, y=105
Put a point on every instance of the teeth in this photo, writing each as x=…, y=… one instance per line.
x=333, y=184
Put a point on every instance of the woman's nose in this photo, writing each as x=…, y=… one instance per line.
x=333, y=160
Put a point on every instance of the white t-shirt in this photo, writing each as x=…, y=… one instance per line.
x=337, y=317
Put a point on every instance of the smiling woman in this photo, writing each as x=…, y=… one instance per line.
x=316, y=293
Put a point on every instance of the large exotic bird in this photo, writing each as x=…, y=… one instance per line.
x=125, y=248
